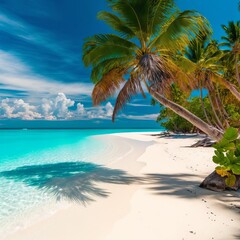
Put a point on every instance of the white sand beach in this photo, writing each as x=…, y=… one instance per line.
x=162, y=202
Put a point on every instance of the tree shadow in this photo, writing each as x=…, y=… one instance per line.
x=237, y=237
x=75, y=181
x=184, y=186
x=178, y=136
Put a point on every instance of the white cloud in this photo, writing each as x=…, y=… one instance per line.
x=140, y=117
x=17, y=27
x=101, y=112
x=138, y=105
x=16, y=75
x=109, y=109
x=80, y=109
x=57, y=107
x=18, y=109
x=62, y=105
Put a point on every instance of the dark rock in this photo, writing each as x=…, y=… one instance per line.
x=217, y=183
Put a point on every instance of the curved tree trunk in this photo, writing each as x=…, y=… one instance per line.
x=202, y=103
x=212, y=97
x=237, y=71
x=231, y=87
x=225, y=114
x=181, y=111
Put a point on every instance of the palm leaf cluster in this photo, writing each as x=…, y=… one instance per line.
x=150, y=31
x=155, y=46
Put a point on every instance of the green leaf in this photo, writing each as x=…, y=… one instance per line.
x=231, y=157
x=237, y=151
x=237, y=161
x=219, y=153
x=235, y=169
x=230, y=181
x=231, y=134
x=221, y=144
x=230, y=146
x=216, y=160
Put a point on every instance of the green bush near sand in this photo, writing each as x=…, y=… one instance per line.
x=227, y=156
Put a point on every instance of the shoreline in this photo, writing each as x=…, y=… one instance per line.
x=65, y=205
x=166, y=198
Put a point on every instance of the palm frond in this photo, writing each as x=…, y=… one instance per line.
x=232, y=31
x=106, y=66
x=185, y=63
x=116, y=23
x=134, y=14
x=106, y=46
x=180, y=30
x=107, y=86
x=158, y=14
x=131, y=87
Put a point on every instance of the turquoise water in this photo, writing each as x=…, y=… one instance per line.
x=37, y=167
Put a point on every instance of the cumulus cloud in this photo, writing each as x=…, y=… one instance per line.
x=80, y=109
x=109, y=109
x=58, y=107
x=18, y=109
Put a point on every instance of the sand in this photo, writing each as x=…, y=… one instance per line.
x=161, y=201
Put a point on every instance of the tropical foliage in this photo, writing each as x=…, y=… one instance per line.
x=227, y=156
x=209, y=68
x=142, y=56
x=160, y=50
x=232, y=41
x=173, y=122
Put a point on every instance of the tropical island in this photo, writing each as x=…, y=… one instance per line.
x=178, y=183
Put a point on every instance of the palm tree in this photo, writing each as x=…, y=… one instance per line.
x=150, y=32
x=232, y=41
x=207, y=59
x=203, y=60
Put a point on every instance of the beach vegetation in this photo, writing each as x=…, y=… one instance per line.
x=175, y=123
x=227, y=156
x=210, y=71
x=231, y=41
x=142, y=56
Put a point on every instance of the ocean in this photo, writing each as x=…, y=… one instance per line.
x=35, y=166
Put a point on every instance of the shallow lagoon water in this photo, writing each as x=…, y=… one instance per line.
x=31, y=159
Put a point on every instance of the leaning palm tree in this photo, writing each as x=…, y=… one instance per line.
x=202, y=59
x=232, y=41
x=150, y=32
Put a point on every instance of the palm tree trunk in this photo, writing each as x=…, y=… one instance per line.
x=212, y=97
x=184, y=113
x=232, y=88
x=237, y=71
x=219, y=123
x=202, y=103
x=225, y=114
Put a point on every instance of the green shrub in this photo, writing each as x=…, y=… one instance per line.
x=173, y=122
x=227, y=156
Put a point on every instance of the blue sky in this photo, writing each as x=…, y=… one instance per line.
x=42, y=80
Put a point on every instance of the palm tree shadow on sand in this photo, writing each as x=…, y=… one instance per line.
x=184, y=185
x=75, y=181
